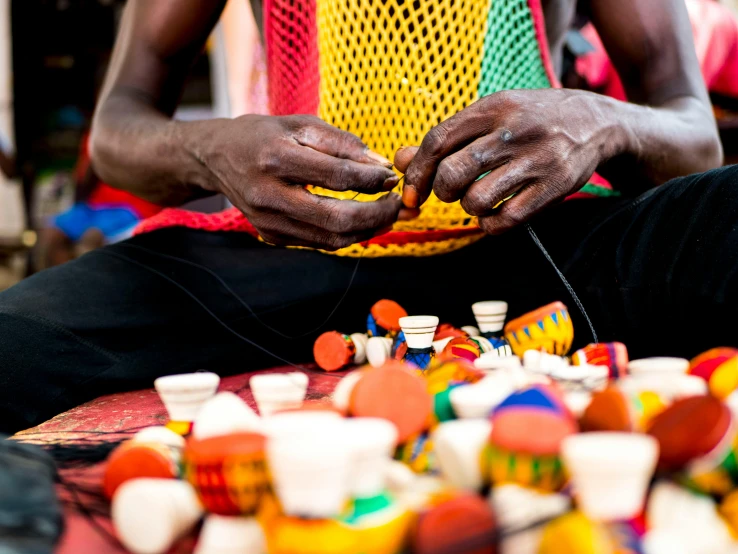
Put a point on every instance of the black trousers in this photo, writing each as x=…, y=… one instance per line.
x=658, y=272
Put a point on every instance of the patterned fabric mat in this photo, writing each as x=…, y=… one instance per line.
x=118, y=416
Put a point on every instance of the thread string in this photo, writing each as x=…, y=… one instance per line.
x=573, y=294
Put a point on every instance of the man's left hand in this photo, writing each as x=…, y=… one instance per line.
x=538, y=145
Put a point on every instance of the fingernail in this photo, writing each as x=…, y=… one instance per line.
x=383, y=231
x=390, y=182
x=407, y=214
x=371, y=154
x=410, y=197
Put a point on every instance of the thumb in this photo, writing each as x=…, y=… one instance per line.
x=404, y=156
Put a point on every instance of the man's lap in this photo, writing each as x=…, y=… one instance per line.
x=120, y=316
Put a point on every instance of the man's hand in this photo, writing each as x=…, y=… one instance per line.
x=538, y=145
x=262, y=164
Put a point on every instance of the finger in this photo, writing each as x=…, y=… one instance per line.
x=300, y=165
x=341, y=216
x=520, y=208
x=484, y=195
x=457, y=172
x=444, y=139
x=404, y=156
x=315, y=133
x=291, y=232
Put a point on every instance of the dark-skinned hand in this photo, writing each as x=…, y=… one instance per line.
x=287, y=153
x=538, y=145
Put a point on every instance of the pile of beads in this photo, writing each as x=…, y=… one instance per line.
x=450, y=440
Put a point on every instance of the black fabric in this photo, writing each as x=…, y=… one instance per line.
x=657, y=272
x=30, y=513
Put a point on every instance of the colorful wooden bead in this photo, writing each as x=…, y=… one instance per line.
x=149, y=515
x=419, y=332
x=527, y=430
x=576, y=533
x=393, y=392
x=614, y=355
x=334, y=350
x=463, y=523
x=610, y=472
x=690, y=429
x=462, y=347
x=380, y=522
x=228, y=472
x=548, y=328
x=295, y=535
x=152, y=453
x=183, y=395
x=446, y=330
x=378, y=350
x=609, y=410
x=458, y=449
x=490, y=316
x=719, y=367
x=383, y=318
x=417, y=453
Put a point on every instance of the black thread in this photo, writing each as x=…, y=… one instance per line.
x=573, y=294
x=244, y=303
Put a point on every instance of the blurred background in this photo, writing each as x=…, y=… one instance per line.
x=53, y=58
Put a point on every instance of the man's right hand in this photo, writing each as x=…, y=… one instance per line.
x=262, y=164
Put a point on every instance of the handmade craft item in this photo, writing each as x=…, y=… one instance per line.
x=183, y=396
x=493, y=361
x=490, y=316
x=471, y=330
x=661, y=366
x=394, y=393
x=613, y=355
x=149, y=515
x=372, y=442
x=288, y=424
x=154, y=452
x=342, y=393
x=698, y=436
x=418, y=453
x=230, y=534
x=462, y=523
x=458, y=449
x=278, y=391
x=228, y=472
x=378, y=350
x=380, y=524
x=576, y=533
x=448, y=331
x=383, y=319
x=443, y=376
x=669, y=387
x=610, y=410
x=224, y=414
x=583, y=377
x=311, y=473
x=690, y=429
x=419, y=331
x=719, y=368
x=493, y=346
x=548, y=328
x=690, y=517
x=610, y=472
x=520, y=512
x=462, y=347
x=333, y=350
x=477, y=400
x=297, y=535
x=527, y=430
